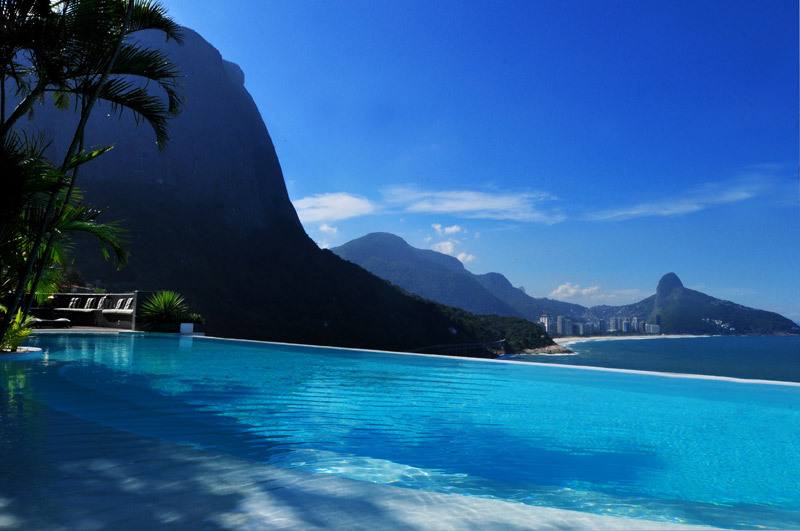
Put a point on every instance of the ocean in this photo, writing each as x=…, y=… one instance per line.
x=750, y=357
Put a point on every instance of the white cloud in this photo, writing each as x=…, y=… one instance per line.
x=454, y=229
x=449, y=247
x=445, y=247
x=700, y=198
x=327, y=229
x=569, y=290
x=332, y=207
x=471, y=204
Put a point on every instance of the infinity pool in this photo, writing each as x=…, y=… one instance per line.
x=655, y=447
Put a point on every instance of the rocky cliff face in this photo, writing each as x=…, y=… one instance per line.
x=221, y=153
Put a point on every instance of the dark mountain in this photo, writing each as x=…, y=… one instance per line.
x=683, y=310
x=680, y=310
x=444, y=279
x=431, y=275
x=641, y=310
x=210, y=217
x=526, y=306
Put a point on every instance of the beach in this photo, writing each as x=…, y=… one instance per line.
x=569, y=340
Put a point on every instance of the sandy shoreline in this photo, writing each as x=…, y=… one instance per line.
x=569, y=340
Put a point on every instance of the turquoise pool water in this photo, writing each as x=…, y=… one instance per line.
x=698, y=451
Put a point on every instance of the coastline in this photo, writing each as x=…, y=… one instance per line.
x=562, y=344
x=569, y=340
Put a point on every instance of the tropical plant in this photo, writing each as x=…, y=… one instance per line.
x=165, y=307
x=21, y=327
x=80, y=52
x=28, y=179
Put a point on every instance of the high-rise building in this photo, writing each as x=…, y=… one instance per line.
x=548, y=323
x=653, y=329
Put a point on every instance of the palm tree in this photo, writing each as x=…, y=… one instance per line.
x=80, y=51
x=28, y=182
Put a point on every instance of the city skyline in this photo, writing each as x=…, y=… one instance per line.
x=581, y=150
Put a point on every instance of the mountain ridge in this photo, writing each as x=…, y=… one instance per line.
x=675, y=308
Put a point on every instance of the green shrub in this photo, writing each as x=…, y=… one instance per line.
x=166, y=307
x=20, y=329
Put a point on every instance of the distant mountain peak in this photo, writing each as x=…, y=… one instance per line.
x=443, y=278
x=667, y=284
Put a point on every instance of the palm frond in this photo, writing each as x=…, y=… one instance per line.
x=83, y=219
x=85, y=156
x=148, y=14
x=124, y=94
x=153, y=65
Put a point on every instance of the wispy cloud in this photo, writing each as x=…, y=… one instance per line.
x=332, y=207
x=526, y=206
x=695, y=200
x=594, y=295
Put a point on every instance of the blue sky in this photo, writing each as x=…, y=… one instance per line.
x=581, y=148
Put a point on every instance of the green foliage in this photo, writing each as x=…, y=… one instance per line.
x=166, y=307
x=21, y=327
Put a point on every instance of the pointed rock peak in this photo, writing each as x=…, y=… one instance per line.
x=667, y=284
